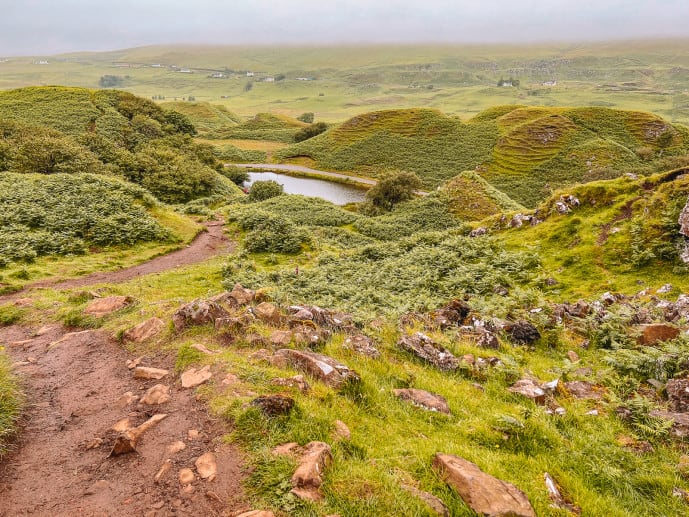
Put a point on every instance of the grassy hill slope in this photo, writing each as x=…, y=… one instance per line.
x=203, y=115
x=525, y=152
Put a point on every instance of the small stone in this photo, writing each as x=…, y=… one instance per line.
x=45, y=330
x=274, y=405
x=341, y=431
x=665, y=289
x=307, y=479
x=147, y=373
x=206, y=466
x=423, y=399
x=200, y=348
x=175, y=447
x=257, y=513
x=268, y=313
x=133, y=363
x=286, y=449
x=94, y=444
x=584, y=390
x=186, y=476
x=324, y=368
x=125, y=400
x=98, y=486
x=530, y=389
x=164, y=469
x=158, y=394
x=281, y=338
x=593, y=412
x=297, y=381
x=573, y=356
x=363, y=345
x=193, y=377
x=187, y=490
x=230, y=380
x=429, y=351
x=435, y=503
x=193, y=434
x=522, y=332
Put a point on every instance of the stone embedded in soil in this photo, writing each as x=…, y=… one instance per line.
x=72, y=335
x=326, y=369
x=194, y=377
x=678, y=394
x=133, y=363
x=126, y=442
x=286, y=449
x=274, y=405
x=423, y=399
x=104, y=306
x=487, y=339
x=175, y=447
x=145, y=330
x=241, y=295
x=257, y=513
x=530, y=389
x=309, y=336
x=281, y=338
x=207, y=466
x=363, y=345
x=148, y=373
x=435, y=503
x=483, y=493
x=426, y=349
x=164, y=469
x=341, y=431
x=451, y=315
x=573, y=356
x=200, y=348
x=125, y=400
x=296, y=381
x=193, y=434
x=158, y=394
x=122, y=425
x=584, y=390
x=307, y=479
x=186, y=476
x=656, y=333
x=268, y=313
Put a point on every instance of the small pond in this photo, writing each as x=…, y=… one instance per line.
x=337, y=193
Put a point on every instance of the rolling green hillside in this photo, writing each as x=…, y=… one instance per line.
x=524, y=152
x=204, y=116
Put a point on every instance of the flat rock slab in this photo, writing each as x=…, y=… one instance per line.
x=584, y=390
x=326, y=369
x=429, y=351
x=206, y=466
x=483, y=493
x=145, y=330
x=104, y=306
x=308, y=477
x=435, y=503
x=529, y=389
x=148, y=373
x=194, y=377
x=423, y=399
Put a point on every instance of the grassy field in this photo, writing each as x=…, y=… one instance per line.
x=459, y=80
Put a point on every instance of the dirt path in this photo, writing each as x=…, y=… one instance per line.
x=75, y=395
x=306, y=170
x=207, y=244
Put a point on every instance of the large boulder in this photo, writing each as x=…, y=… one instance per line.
x=198, y=312
x=429, y=351
x=656, y=333
x=483, y=493
x=326, y=369
x=104, y=306
x=268, y=313
x=423, y=399
x=308, y=477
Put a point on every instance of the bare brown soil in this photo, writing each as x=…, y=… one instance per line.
x=60, y=465
x=207, y=244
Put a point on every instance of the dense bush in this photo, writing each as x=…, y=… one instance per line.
x=236, y=175
x=262, y=190
x=64, y=214
x=304, y=211
x=271, y=233
x=310, y=131
x=393, y=188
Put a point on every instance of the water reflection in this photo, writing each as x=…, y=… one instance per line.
x=337, y=193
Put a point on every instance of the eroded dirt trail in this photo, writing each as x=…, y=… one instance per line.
x=207, y=244
x=61, y=467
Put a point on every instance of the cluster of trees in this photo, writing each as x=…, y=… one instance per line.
x=111, y=81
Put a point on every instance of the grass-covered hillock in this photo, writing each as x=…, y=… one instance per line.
x=74, y=130
x=66, y=214
x=472, y=198
x=623, y=235
x=204, y=116
x=525, y=152
x=262, y=126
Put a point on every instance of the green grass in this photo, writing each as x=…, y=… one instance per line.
x=10, y=402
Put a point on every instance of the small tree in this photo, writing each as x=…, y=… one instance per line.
x=310, y=131
x=392, y=189
x=262, y=190
x=237, y=175
x=306, y=117
x=248, y=86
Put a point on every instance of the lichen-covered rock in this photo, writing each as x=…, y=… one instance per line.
x=483, y=493
x=362, y=344
x=452, y=314
x=308, y=477
x=428, y=350
x=274, y=405
x=529, y=389
x=678, y=394
x=522, y=332
x=268, y=313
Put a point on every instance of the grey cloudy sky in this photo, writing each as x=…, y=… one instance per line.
x=53, y=26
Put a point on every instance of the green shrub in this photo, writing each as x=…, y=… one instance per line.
x=262, y=190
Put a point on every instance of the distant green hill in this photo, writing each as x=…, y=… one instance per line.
x=204, y=116
x=262, y=126
x=525, y=152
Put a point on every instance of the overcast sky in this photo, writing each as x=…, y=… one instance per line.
x=51, y=26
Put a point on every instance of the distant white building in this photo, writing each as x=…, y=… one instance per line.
x=42, y=62
x=269, y=79
x=304, y=79
x=549, y=83
x=217, y=75
x=249, y=74
x=156, y=65
x=185, y=71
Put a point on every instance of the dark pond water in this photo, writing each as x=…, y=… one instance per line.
x=337, y=193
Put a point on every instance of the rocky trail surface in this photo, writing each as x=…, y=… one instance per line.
x=85, y=403
x=207, y=244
